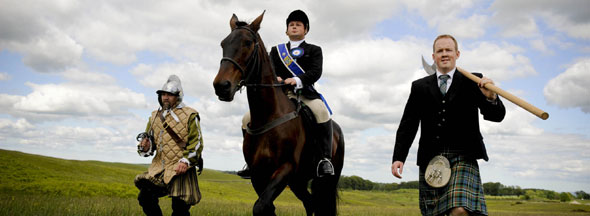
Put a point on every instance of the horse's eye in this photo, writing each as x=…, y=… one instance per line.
x=247, y=43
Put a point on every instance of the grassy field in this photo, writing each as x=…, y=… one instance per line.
x=38, y=185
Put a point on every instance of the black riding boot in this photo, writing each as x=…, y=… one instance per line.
x=245, y=172
x=325, y=166
x=149, y=202
x=179, y=207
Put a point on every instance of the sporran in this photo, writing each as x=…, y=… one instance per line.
x=438, y=172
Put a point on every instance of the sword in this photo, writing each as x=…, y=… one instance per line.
x=431, y=69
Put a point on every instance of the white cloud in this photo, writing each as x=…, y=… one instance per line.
x=115, y=31
x=574, y=28
x=527, y=156
x=539, y=44
x=34, y=29
x=343, y=19
x=78, y=76
x=14, y=15
x=521, y=18
x=109, y=31
x=7, y=102
x=50, y=52
x=437, y=10
x=561, y=44
x=447, y=17
x=4, y=76
x=20, y=125
x=109, y=141
x=472, y=27
x=517, y=25
x=79, y=99
x=499, y=62
x=570, y=88
x=84, y=94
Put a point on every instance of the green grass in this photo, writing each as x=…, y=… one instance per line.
x=38, y=185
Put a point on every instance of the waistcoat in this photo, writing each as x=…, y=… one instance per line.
x=168, y=152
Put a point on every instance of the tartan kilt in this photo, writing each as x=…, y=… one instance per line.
x=463, y=190
x=185, y=186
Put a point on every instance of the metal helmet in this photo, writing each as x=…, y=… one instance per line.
x=171, y=86
x=298, y=15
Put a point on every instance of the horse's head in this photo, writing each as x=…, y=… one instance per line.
x=239, y=55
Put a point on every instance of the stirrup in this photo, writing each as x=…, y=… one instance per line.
x=328, y=171
x=245, y=172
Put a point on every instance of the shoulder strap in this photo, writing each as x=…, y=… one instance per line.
x=171, y=132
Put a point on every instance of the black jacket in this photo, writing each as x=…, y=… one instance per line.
x=310, y=62
x=450, y=122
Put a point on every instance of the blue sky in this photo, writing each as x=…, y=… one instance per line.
x=78, y=78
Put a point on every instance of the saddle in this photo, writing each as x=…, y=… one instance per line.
x=306, y=114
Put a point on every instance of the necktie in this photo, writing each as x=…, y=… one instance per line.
x=443, y=84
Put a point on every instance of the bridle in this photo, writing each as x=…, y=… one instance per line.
x=252, y=64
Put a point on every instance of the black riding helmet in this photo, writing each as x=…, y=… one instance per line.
x=298, y=15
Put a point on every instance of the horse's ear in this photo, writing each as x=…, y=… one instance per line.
x=233, y=21
x=255, y=25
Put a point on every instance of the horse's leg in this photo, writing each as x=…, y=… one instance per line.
x=278, y=181
x=259, y=183
x=299, y=188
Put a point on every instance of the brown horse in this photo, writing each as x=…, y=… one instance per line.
x=277, y=148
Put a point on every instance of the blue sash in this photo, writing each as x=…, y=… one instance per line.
x=294, y=68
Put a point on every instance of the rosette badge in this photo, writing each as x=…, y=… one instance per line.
x=296, y=52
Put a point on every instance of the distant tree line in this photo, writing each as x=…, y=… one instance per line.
x=490, y=188
x=358, y=183
x=582, y=195
x=540, y=194
x=497, y=189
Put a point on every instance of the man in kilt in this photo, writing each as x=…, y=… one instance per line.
x=446, y=106
x=174, y=132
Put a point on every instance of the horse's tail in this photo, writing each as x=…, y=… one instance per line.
x=325, y=190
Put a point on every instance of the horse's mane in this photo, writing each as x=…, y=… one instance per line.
x=262, y=49
x=241, y=23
